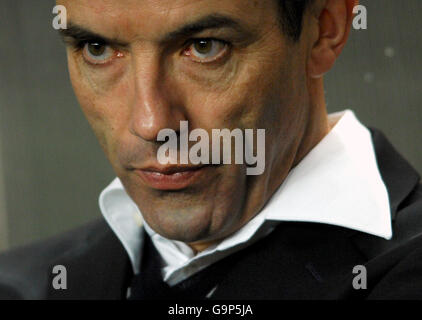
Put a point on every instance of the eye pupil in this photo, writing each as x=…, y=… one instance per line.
x=96, y=49
x=203, y=46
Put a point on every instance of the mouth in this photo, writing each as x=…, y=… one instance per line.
x=171, y=177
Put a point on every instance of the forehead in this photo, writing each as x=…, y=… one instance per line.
x=132, y=19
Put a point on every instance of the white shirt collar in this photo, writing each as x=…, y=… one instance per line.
x=337, y=183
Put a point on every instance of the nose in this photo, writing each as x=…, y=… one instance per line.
x=154, y=105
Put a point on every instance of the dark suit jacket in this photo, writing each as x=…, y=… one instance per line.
x=296, y=261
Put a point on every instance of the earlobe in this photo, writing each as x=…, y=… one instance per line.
x=321, y=61
x=334, y=23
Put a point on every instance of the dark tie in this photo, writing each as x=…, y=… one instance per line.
x=149, y=285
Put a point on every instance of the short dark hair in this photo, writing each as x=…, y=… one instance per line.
x=291, y=16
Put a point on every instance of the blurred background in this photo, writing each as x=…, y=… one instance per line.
x=52, y=168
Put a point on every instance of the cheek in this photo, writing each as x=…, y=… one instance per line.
x=104, y=109
x=250, y=100
x=98, y=89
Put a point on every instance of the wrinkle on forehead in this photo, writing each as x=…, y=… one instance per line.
x=130, y=20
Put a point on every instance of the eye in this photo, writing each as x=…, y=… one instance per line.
x=206, y=50
x=97, y=52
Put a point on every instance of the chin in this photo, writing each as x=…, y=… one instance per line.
x=205, y=212
x=190, y=224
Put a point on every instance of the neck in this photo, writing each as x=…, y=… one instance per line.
x=318, y=125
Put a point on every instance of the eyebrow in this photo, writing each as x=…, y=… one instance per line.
x=80, y=33
x=213, y=21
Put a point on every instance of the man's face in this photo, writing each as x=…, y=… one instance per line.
x=215, y=63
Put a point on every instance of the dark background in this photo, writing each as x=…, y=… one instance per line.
x=51, y=167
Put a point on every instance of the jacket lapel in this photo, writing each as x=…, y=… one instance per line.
x=100, y=269
x=296, y=261
x=401, y=180
x=398, y=175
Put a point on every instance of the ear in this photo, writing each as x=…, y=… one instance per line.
x=335, y=19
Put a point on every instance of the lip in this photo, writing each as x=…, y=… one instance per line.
x=172, y=177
